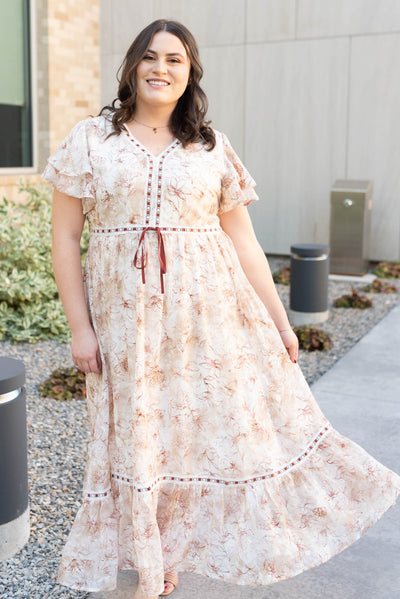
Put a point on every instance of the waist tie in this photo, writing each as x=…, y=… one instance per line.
x=143, y=256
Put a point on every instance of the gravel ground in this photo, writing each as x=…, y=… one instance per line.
x=58, y=438
x=345, y=326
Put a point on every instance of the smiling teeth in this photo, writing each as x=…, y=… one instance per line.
x=158, y=82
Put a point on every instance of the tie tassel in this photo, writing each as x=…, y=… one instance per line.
x=143, y=255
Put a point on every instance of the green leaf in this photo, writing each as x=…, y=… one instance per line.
x=30, y=308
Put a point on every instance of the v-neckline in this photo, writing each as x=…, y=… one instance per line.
x=155, y=157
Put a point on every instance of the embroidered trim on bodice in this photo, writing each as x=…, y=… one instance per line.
x=141, y=263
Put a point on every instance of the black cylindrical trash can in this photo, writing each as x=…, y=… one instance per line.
x=309, y=272
x=14, y=505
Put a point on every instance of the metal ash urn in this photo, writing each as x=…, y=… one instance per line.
x=14, y=504
x=309, y=274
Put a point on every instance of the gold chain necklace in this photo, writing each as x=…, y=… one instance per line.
x=150, y=127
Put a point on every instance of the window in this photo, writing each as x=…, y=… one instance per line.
x=16, y=146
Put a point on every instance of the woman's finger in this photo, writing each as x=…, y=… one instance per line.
x=93, y=365
x=99, y=363
x=88, y=365
x=84, y=366
x=293, y=352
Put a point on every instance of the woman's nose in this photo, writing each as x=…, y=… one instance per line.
x=159, y=66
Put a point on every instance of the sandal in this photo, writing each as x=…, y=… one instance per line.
x=172, y=578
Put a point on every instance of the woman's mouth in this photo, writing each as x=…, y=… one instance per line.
x=157, y=83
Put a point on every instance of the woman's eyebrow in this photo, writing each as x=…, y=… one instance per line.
x=169, y=53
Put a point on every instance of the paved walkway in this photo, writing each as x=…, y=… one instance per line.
x=360, y=395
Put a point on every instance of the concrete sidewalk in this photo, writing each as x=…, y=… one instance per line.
x=360, y=395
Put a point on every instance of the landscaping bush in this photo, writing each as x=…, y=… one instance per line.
x=312, y=338
x=30, y=308
x=282, y=276
x=353, y=300
x=64, y=383
x=387, y=270
x=378, y=286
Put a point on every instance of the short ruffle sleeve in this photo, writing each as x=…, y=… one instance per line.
x=69, y=168
x=237, y=184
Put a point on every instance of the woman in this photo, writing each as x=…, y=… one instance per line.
x=208, y=450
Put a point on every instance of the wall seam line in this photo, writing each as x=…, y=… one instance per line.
x=349, y=57
x=302, y=39
x=244, y=121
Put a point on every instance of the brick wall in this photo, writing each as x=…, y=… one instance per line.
x=74, y=65
x=67, y=76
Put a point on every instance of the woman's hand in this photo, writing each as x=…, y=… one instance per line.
x=85, y=351
x=291, y=343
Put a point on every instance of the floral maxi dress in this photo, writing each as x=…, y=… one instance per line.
x=208, y=452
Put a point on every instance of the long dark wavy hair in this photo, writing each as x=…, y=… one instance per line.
x=187, y=121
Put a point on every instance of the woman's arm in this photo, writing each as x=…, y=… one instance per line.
x=67, y=221
x=237, y=224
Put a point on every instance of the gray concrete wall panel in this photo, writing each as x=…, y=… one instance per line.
x=306, y=90
x=316, y=18
x=224, y=82
x=270, y=20
x=213, y=23
x=296, y=98
x=374, y=134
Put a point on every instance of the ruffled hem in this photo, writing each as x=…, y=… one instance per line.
x=237, y=186
x=253, y=533
x=69, y=168
x=78, y=186
x=246, y=197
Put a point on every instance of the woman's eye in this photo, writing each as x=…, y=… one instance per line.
x=150, y=57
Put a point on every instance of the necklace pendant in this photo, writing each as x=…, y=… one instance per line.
x=154, y=129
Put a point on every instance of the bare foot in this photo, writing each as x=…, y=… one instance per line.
x=170, y=582
x=168, y=587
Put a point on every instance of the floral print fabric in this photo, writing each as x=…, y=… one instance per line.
x=208, y=451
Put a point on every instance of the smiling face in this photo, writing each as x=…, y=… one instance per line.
x=162, y=74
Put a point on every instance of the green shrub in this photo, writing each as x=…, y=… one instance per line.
x=282, y=276
x=353, y=300
x=387, y=270
x=312, y=338
x=378, y=286
x=30, y=308
x=64, y=383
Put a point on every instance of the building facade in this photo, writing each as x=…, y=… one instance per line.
x=50, y=79
x=307, y=91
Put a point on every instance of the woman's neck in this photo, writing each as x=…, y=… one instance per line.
x=153, y=116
